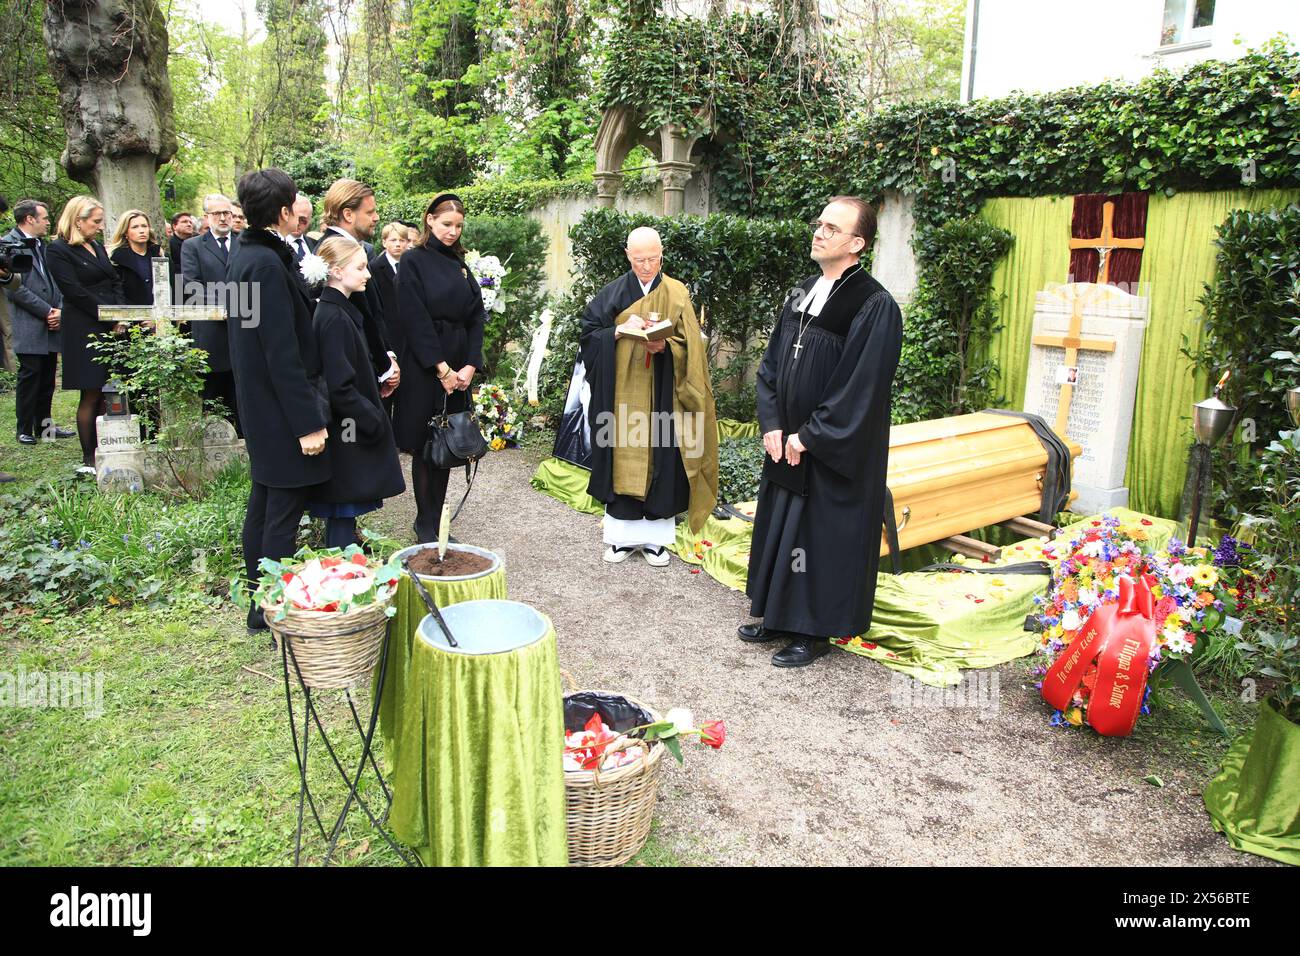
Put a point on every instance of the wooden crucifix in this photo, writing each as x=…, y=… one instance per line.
x=163, y=312
x=1072, y=344
x=1106, y=242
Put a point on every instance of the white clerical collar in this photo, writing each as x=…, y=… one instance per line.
x=817, y=296
x=645, y=286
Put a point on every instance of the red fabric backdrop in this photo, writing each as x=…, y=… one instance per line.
x=1130, y=222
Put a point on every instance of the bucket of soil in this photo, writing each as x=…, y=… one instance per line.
x=466, y=573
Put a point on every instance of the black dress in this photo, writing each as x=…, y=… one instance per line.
x=87, y=279
x=829, y=509
x=136, y=272
x=440, y=309
x=364, y=467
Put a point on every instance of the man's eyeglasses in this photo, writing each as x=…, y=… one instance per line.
x=827, y=230
x=647, y=261
x=221, y=215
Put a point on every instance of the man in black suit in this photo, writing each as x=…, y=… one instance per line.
x=182, y=228
x=37, y=313
x=203, y=266
x=349, y=210
x=298, y=240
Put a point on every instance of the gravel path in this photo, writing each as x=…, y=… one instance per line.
x=820, y=767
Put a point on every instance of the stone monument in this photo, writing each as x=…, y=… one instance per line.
x=1083, y=374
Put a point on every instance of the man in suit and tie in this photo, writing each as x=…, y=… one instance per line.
x=349, y=210
x=37, y=305
x=182, y=226
x=298, y=240
x=203, y=268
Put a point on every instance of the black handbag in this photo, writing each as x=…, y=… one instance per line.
x=454, y=440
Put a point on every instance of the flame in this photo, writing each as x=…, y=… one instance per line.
x=1223, y=380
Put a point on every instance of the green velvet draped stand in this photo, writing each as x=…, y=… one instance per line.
x=478, y=775
x=410, y=612
x=1255, y=799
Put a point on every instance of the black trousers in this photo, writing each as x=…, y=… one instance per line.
x=221, y=385
x=35, y=392
x=271, y=525
x=429, y=488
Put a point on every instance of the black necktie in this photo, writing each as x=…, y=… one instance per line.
x=221, y=244
x=302, y=250
x=38, y=252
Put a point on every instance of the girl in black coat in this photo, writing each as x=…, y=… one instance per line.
x=364, y=468
x=440, y=308
x=81, y=269
x=132, y=250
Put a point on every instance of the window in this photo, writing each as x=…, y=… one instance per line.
x=1187, y=21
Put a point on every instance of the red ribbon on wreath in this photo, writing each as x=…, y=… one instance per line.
x=1120, y=637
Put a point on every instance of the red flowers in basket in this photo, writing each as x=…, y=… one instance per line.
x=592, y=746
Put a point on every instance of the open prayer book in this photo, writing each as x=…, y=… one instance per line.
x=654, y=333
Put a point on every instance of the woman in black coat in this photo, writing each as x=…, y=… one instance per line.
x=132, y=251
x=87, y=279
x=364, y=468
x=278, y=378
x=440, y=308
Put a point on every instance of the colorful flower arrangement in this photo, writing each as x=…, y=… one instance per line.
x=1190, y=588
x=592, y=746
x=497, y=417
x=333, y=580
x=491, y=275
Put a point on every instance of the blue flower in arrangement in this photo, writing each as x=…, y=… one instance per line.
x=1146, y=708
x=1176, y=548
x=1226, y=554
x=1058, y=719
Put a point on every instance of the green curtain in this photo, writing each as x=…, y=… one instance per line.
x=1040, y=255
x=479, y=774
x=1176, y=264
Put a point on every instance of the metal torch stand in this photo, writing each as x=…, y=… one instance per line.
x=312, y=716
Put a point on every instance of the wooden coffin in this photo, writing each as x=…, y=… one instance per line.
x=952, y=475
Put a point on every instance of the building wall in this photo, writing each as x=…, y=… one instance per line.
x=1037, y=46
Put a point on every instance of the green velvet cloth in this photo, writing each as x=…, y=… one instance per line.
x=566, y=482
x=478, y=778
x=410, y=612
x=1255, y=799
x=1177, y=261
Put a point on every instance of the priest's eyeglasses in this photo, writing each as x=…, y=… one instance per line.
x=827, y=230
x=646, y=261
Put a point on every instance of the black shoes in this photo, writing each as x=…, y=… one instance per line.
x=801, y=652
x=757, y=634
x=26, y=439
x=64, y=433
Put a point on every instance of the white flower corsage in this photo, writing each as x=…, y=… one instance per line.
x=314, y=269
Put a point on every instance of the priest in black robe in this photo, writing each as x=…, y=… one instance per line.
x=823, y=407
x=654, y=433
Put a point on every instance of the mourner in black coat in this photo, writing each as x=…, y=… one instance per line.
x=363, y=459
x=371, y=307
x=87, y=279
x=278, y=376
x=136, y=272
x=440, y=308
x=383, y=280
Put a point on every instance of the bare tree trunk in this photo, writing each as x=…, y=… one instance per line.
x=109, y=59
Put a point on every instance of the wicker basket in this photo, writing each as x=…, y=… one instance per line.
x=332, y=650
x=609, y=812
